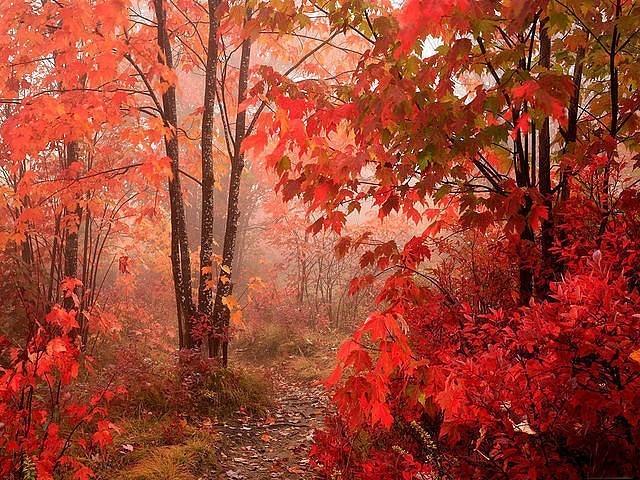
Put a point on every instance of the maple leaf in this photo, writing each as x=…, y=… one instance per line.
x=102, y=437
x=82, y=472
x=526, y=90
x=522, y=125
x=256, y=142
x=321, y=193
x=123, y=264
x=62, y=318
x=56, y=345
x=334, y=377
x=536, y=215
x=380, y=413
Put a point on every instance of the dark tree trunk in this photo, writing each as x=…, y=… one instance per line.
x=544, y=175
x=205, y=293
x=614, y=86
x=572, y=123
x=180, y=261
x=527, y=237
x=70, y=268
x=219, y=343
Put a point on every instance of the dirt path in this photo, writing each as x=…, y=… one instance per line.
x=278, y=446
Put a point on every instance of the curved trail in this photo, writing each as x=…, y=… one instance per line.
x=277, y=446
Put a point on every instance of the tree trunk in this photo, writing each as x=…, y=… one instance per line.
x=572, y=125
x=70, y=267
x=180, y=261
x=221, y=313
x=527, y=238
x=205, y=294
x=544, y=175
x=614, y=86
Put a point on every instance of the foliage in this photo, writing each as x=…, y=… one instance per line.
x=473, y=164
x=505, y=338
x=513, y=384
x=45, y=417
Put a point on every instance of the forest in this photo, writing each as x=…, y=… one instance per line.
x=319, y=239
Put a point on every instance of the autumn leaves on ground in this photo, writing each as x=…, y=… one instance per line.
x=317, y=239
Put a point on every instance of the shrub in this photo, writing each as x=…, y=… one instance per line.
x=45, y=416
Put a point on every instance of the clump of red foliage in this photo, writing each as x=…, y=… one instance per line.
x=550, y=390
x=47, y=419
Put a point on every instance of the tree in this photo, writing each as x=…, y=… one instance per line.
x=282, y=20
x=221, y=313
x=179, y=242
x=205, y=297
x=491, y=124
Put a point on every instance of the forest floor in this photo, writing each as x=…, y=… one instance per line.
x=276, y=446
x=270, y=439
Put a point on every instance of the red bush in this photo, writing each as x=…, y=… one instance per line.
x=551, y=390
x=45, y=414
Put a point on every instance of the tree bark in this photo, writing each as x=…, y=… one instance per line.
x=205, y=293
x=180, y=261
x=544, y=174
x=572, y=124
x=70, y=268
x=219, y=343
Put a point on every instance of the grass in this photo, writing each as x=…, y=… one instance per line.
x=176, y=462
x=275, y=341
x=164, y=448
x=226, y=391
x=309, y=369
x=166, y=420
x=306, y=355
x=171, y=439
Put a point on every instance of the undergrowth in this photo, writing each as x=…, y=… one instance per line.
x=165, y=422
x=275, y=340
x=166, y=448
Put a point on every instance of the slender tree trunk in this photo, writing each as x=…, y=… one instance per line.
x=614, y=86
x=544, y=175
x=86, y=248
x=53, y=268
x=572, y=121
x=180, y=261
x=205, y=293
x=70, y=268
x=527, y=237
x=242, y=244
x=523, y=180
x=221, y=313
